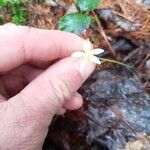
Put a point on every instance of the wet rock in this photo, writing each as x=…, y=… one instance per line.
x=116, y=110
x=55, y=3
x=123, y=45
x=51, y=3
x=72, y=9
x=147, y=66
x=119, y=46
x=144, y=2
x=119, y=106
x=109, y=15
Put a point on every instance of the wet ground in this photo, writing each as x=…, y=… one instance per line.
x=116, y=110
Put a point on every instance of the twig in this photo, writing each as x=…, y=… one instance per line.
x=101, y=31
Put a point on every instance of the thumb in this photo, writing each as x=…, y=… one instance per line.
x=48, y=92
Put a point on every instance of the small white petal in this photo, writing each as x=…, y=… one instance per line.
x=78, y=54
x=95, y=60
x=87, y=46
x=97, y=51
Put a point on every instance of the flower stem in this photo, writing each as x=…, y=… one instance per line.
x=117, y=62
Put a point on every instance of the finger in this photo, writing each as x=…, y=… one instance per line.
x=3, y=91
x=41, y=64
x=33, y=108
x=21, y=44
x=61, y=111
x=48, y=92
x=74, y=103
x=2, y=99
x=15, y=81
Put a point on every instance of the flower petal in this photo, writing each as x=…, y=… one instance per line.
x=87, y=46
x=78, y=54
x=95, y=60
x=97, y=51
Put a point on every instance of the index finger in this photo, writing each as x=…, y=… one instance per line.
x=23, y=44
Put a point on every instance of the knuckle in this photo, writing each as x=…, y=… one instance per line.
x=60, y=89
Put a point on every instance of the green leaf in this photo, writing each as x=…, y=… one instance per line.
x=3, y=2
x=88, y=5
x=11, y=2
x=19, y=16
x=75, y=23
x=17, y=2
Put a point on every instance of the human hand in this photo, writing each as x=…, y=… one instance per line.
x=33, y=88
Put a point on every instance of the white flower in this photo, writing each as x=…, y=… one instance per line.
x=88, y=53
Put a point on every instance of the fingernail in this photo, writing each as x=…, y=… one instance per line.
x=86, y=68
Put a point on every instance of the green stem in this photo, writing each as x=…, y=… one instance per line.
x=116, y=62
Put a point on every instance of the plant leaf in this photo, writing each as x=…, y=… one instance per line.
x=12, y=2
x=75, y=23
x=19, y=16
x=88, y=5
x=3, y=2
x=16, y=2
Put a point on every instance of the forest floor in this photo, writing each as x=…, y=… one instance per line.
x=123, y=30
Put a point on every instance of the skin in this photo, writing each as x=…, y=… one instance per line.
x=38, y=79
